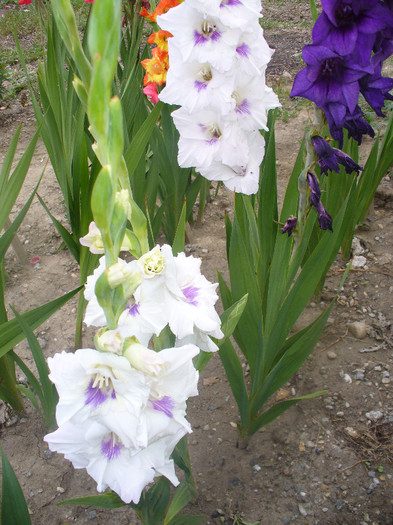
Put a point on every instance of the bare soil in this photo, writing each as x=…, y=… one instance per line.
x=326, y=461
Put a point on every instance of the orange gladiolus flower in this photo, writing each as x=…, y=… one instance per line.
x=162, y=8
x=160, y=38
x=156, y=68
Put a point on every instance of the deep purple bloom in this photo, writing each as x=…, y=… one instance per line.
x=326, y=158
x=329, y=78
x=345, y=160
x=289, y=226
x=348, y=25
x=339, y=117
x=375, y=89
x=324, y=219
x=329, y=158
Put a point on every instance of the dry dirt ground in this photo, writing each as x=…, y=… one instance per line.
x=326, y=461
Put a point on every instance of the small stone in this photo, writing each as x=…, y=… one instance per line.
x=235, y=481
x=374, y=415
x=256, y=468
x=385, y=380
x=359, y=376
x=287, y=486
x=331, y=355
x=358, y=329
x=42, y=342
x=302, y=510
x=48, y=454
x=92, y=514
x=28, y=474
x=60, y=490
x=204, y=250
x=359, y=261
x=340, y=505
x=352, y=432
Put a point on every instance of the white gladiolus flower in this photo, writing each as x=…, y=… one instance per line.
x=100, y=385
x=190, y=298
x=196, y=85
x=217, y=59
x=241, y=179
x=119, y=422
x=206, y=136
x=143, y=315
x=107, y=459
x=201, y=36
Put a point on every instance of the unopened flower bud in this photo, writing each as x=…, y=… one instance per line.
x=119, y=273
x=143, y=359
x=109, y=341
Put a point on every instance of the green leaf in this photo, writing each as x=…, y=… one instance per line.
x=154, y=503
x=184, y=493
x=314, y=12
x=136, y=149
x=65, y=234
x=8, y=235
x=13, y=508
x=10, y=186
x=109, y=500
x=234, y=372
x=180, y=235
x=49, y=392
x=230, y=318
x=277, y=409
x=11, y=332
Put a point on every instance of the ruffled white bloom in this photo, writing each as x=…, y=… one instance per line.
x=102, y=386
x=196, y=85
x=108, y=460
x=218, y=47
x=191, y=298
x=242, y=178
x=144, y=314
x=201, y=36
x=207, y=137
x=252, y=101
x=119, y=422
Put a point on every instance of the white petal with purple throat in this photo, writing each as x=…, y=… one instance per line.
x=241, y=179
x=201, y=36
x=206, y=136
x=196, y=85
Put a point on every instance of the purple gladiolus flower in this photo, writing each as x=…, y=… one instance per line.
x=326, y=158
x=348, y=25
x=375, y=89
x=289, y=225
x=329, y=78
x=329, y=158
x=339, y=117
x=324, y=219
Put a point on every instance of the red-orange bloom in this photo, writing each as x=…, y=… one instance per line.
x=162, y=8
x=24, y=2
x=156, y=68
x=160, y=38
